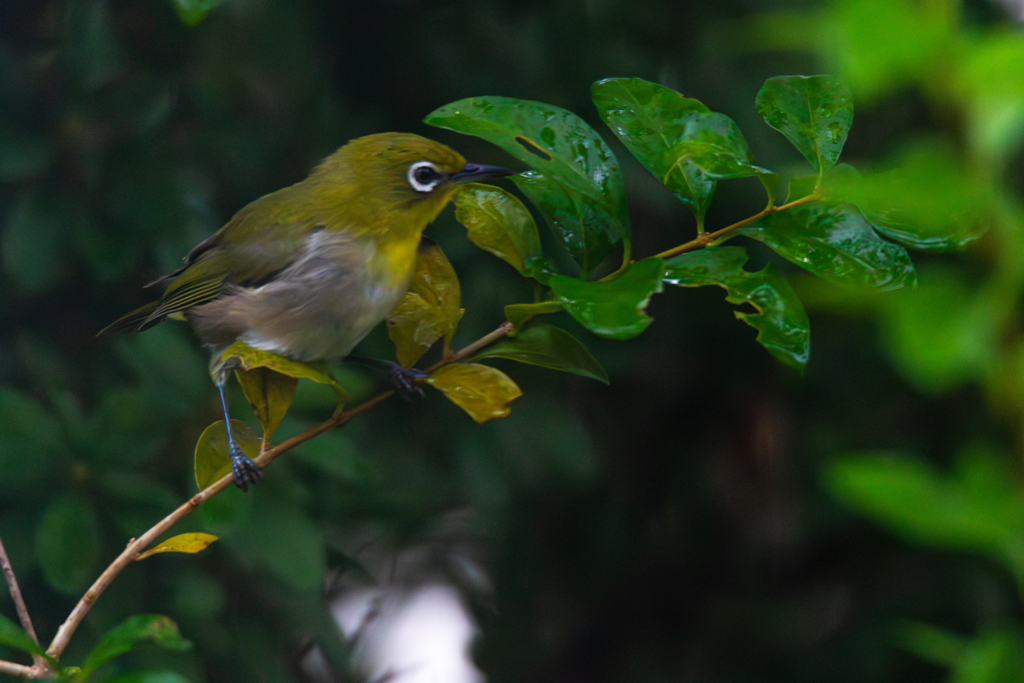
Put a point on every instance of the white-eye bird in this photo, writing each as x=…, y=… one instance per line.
x=306, y=272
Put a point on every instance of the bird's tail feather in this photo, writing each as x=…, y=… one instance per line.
x=131, y=321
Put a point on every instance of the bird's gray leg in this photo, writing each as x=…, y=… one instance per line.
x=246, y=472
x=403, y=380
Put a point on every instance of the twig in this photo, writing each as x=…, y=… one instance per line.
x=707, y=238
x=19, y=605
x=19, y=670
x=136, y=546
x=19, y=601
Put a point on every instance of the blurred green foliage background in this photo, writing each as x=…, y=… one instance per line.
x=710, y=516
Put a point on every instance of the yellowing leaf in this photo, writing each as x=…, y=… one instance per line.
x=497, y=222
x=213, y=460
x=482, y=391
x=430, y=310
x=241, y=356
x=269, y=393
x=182, y=543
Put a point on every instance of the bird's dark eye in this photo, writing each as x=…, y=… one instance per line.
x=423, y=176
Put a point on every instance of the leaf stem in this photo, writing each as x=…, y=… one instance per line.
x=137, y=545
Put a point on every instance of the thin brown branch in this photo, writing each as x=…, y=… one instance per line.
x=19, y=606
x=19, y=670
x=707, y=238
x=136, y=546
x=19, y=601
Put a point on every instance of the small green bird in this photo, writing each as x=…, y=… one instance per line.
x=306, y=272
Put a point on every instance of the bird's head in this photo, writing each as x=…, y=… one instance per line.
x=397, y=177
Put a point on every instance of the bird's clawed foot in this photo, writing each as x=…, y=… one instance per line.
x=245, y=471
x=405, y=380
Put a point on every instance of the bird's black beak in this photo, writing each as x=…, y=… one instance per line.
x=471, y=172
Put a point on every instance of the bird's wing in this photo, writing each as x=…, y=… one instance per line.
x=259, y=242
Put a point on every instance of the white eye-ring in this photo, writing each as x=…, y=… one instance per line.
x=423, y=176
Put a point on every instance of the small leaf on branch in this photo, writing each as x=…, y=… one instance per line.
x=241, y=356
x=133, y=632
x=497, y=222
x=519, y=314
x=836, y=243
x=430, y=309
x=269, y=393
x=482, y=391
x=549, y=347
x=800, y=187
x=781, y=321
x=648, y=118
x=14, y=636
x=182, y=543
x=813, y=112
x=577, y=184
x=213, y=459
x=615, y=309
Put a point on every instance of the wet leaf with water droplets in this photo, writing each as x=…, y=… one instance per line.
x=482, y=391
x=781, y=321
x=648, y=118
x=576, y=185
x=615, y=309
x=835, y=242
x=813, y=112
x=497, y=222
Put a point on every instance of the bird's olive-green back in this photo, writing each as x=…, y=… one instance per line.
x=363, y=188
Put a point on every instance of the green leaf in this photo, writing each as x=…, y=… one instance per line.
x=614, y=309
x=996, y=655
x=577, y=184
x=33, y=245
x=130, y=634
x=241, y=356
x=182, y=543
x=929, y=200
x=549, y=347
x=192, y=12
x=771, y=183
x=713, y=143
x=285, y=541
x=498, y=223
x=835, y=242
x=813, y=112
x=976, y=508
x=519, y=314
x=213, y=459
x=148, y=677
x=430, y=310
x=648, y=118
x=800, y=187
x=68, y=544
x=483, y=392
x=781, y=321
x=269, y=393
x=30, y=438
x=14, y=636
